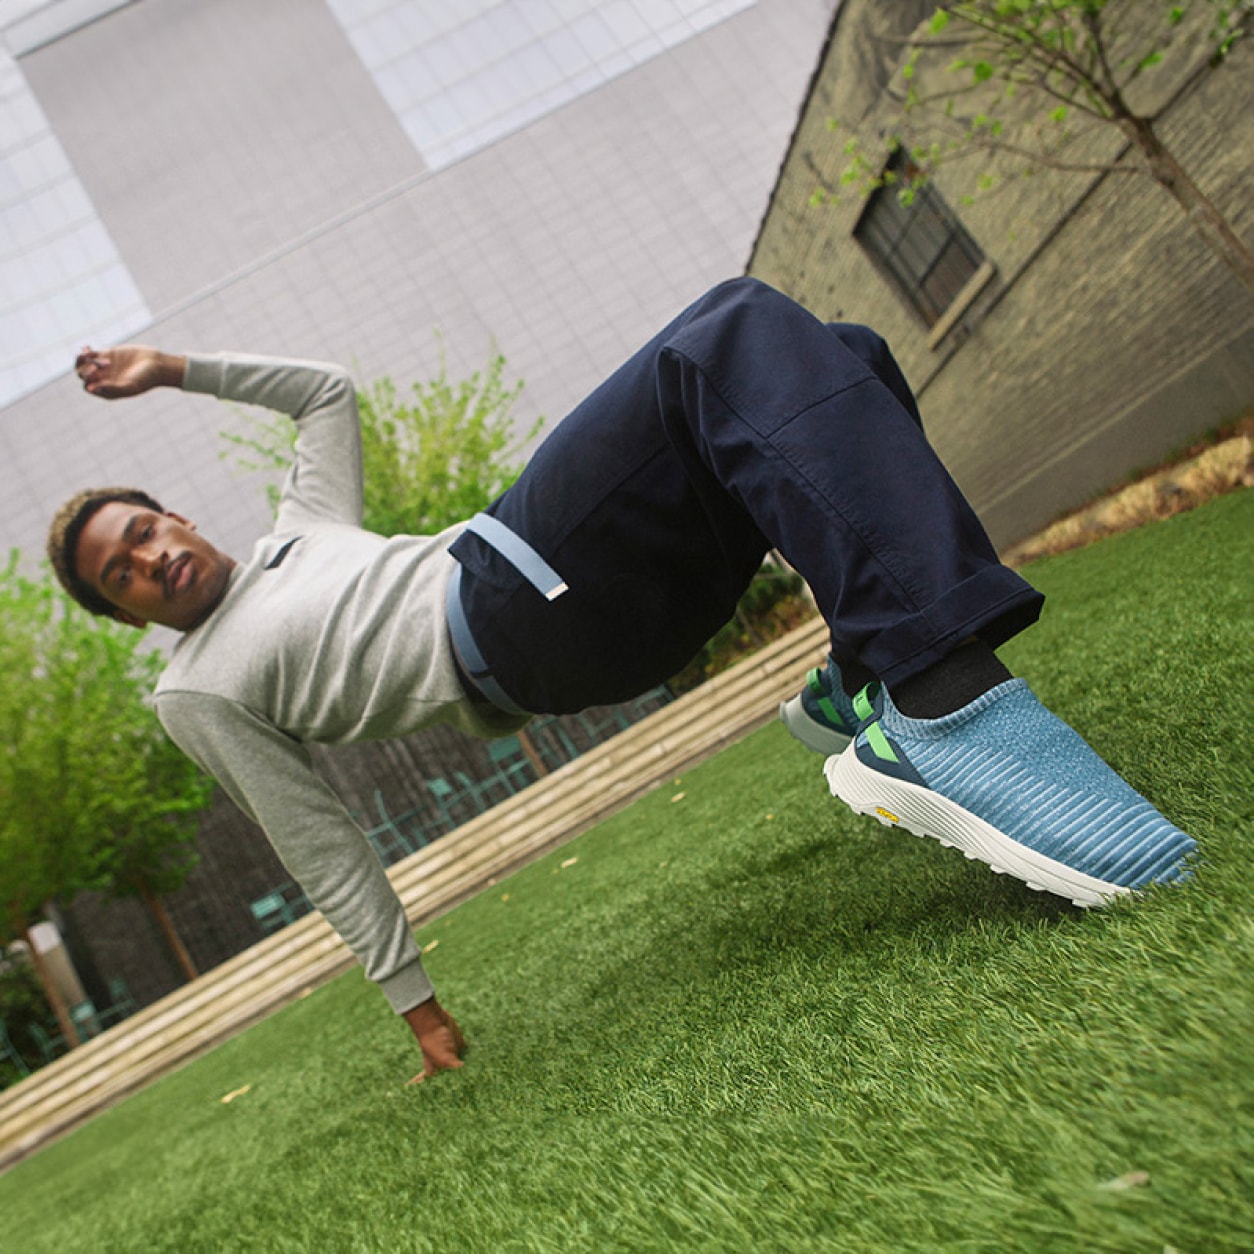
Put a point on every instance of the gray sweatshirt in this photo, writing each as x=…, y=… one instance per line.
x=328, y=633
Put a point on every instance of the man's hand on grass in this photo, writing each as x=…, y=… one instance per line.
x=439, y=1036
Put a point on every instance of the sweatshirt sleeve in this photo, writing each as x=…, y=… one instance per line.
x=270, y=776
x=324, y=483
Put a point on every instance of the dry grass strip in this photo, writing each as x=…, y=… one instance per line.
x=1221, y=468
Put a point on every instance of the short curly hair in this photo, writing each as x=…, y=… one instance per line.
x=63, y=536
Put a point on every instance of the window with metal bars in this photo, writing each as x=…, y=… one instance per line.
x=921, y=248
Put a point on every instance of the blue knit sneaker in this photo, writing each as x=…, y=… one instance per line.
x=820, y=715
x=1007, y=782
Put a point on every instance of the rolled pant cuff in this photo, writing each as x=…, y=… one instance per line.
x=994, y=604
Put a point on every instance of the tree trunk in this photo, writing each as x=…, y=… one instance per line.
x=1201, y=212
x=52, y=993
x=533, y=754
x=161, y=916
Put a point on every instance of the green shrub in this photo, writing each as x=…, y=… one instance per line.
x=21, y=1003
x=431, y=456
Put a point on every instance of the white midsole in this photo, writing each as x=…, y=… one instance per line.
x=821, y=739
x=897, y=802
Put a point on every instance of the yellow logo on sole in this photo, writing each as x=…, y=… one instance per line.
x=887, y=814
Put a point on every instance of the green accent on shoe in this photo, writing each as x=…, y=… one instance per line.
x=830, y=712
x=879, y=743
x=814, y=681
x=862, y=706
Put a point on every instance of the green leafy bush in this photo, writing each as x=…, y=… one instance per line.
x=21, y=1003
x=432, y=455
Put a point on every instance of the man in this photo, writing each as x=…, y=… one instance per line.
x=745, y=424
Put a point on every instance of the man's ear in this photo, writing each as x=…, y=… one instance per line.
x=131, y=620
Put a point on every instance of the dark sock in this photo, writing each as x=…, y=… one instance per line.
x=854, y=677
x=956, y=680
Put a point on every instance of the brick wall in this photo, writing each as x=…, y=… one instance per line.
x=1110, y=335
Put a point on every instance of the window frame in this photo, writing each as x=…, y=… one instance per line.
x=921, y=248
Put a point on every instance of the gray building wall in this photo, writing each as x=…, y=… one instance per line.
x=262, y=193
x=264, y=196
x=1110, y=334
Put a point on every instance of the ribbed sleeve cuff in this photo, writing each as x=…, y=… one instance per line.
x=204, y=374
x=407, y=987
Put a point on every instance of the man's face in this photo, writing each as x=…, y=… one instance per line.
x=154, y=567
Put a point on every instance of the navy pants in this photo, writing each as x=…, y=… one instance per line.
x=745, y=424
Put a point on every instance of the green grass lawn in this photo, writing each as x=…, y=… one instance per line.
x=745, y=1019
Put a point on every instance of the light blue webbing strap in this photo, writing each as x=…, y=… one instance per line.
x=468, y=655
x=511, y=546
x=531, y=566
